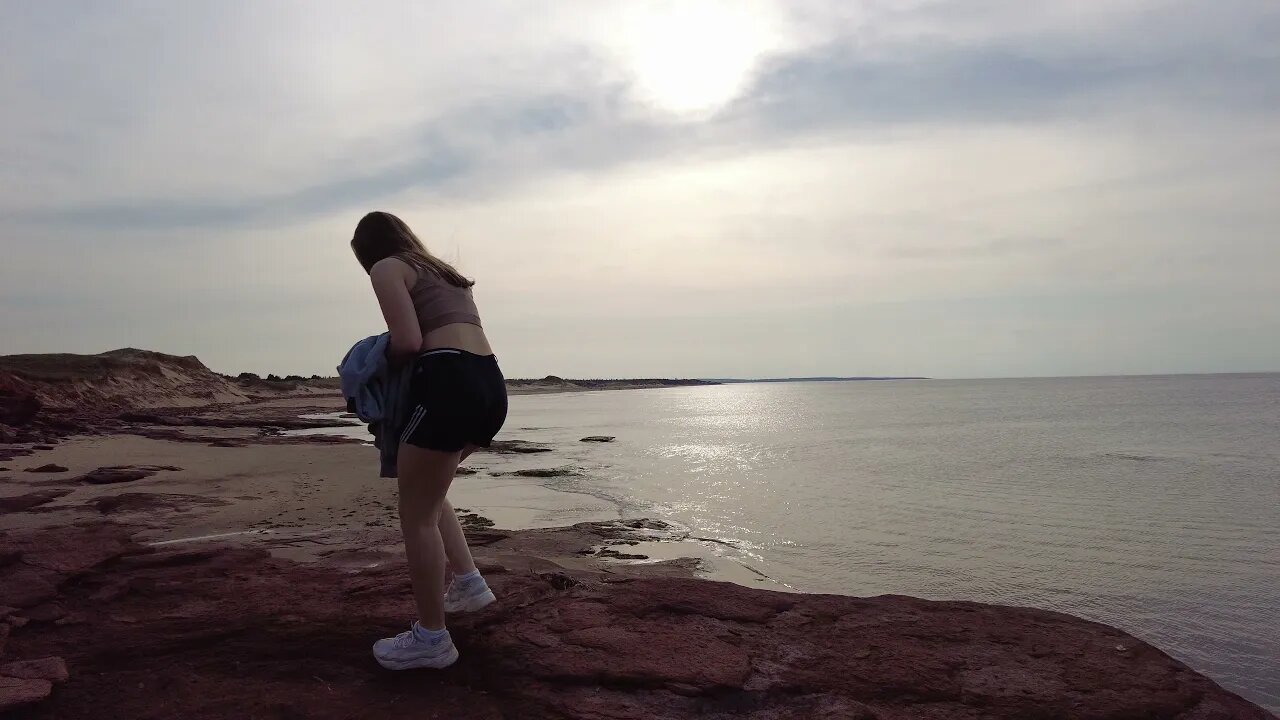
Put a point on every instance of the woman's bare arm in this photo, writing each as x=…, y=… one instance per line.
x=390, y=280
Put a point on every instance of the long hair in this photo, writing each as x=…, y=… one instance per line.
x=380, y=235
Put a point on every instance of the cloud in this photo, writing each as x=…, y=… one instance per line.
x=1156, y=56
x=204, y=159
x=994, y=248
x=906, y=72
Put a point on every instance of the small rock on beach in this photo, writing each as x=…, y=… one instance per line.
x=18, y=503
x=541, y=473
x=121, y=474
x=49, y=468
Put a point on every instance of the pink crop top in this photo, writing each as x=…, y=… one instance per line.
x=438, y=303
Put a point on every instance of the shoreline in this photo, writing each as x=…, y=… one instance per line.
x=277, y=437
x=217, y=525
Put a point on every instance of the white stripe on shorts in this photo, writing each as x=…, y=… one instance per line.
x=413, y=423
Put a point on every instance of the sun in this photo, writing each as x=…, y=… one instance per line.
x=693, y=58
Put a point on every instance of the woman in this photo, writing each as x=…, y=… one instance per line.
x=458, y=402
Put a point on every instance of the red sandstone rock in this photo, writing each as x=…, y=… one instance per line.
x=515, y=447
x=49, y=468
x=145, y=502
x=121, y=474
x=47, y=612
x=18, y=503
x=24, y=586
x=67, y=551
x=53, y=669
x=16, y=692
x=236, y=633
x=17, y=408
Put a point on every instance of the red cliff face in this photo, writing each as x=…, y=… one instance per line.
x=218, y=633
x=114, y=381
x=18, y=404
x=45, y=397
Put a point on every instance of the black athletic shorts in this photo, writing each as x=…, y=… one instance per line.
x=456, y=399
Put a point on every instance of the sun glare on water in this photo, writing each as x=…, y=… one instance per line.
x=693, y=58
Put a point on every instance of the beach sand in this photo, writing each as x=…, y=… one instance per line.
x=308, y=496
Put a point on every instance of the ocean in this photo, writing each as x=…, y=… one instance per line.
x=1148, y=503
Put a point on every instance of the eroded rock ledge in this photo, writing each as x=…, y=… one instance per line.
x=209, y=632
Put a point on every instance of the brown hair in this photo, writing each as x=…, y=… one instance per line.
x=380, y=235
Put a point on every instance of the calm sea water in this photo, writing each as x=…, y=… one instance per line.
x=1151, y=504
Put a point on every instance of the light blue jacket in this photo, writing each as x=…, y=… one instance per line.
x=377, y=394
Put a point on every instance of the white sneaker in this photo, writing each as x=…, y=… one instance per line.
x=405, y=651
x=472, y=597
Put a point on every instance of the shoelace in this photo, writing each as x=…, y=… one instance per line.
x=405, y=639
x=456, y=591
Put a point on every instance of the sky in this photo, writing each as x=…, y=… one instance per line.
x=977, y=188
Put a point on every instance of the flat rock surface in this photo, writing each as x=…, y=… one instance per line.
x=218, y=632
x=121, y=474
x=53, y=669
x=26, y=501
x=18, y=692
x=47, y=468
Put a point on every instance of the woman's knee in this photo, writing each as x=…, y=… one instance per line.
x=420, y=511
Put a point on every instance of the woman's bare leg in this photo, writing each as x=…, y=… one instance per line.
x=424, y=479
x=454, y=539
